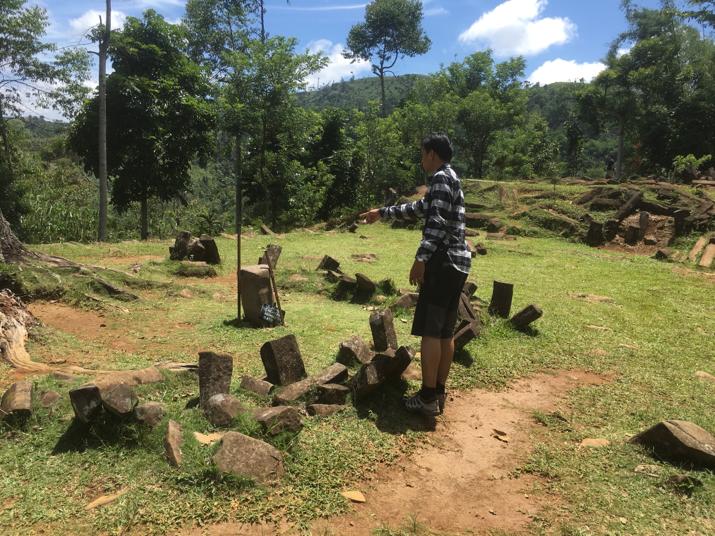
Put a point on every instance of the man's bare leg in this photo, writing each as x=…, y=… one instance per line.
x=431, y=359
x=445, y=362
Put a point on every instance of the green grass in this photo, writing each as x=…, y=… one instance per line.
x=652, y=338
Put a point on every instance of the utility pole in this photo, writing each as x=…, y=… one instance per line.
x=102, y=142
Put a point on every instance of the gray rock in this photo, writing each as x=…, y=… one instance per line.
x=222, y=409
x=680, y=441
x=86, y=402
x=293, y=392
x=259, y=387
x=120, y=400
x=17, y=401
x=280, y=419
x=49, y=399
x=406, y=301
x=354, y=351
x=365, y=286
x=323, y=410
x=330, y=264
x=383, y=330
x=282, y=361
x=172, y=443
x=386, y=366
x=246, y=457
x=335, y=373
x=215, y=371
x=332, y=393
x=150, y=414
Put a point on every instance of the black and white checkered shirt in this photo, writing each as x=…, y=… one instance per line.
x=443, y=210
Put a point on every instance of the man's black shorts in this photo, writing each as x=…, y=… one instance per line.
x=436, y=312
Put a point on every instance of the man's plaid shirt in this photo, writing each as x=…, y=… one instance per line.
x=443, y=210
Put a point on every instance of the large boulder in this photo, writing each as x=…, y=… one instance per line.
x=119, y=400
x=282, y=361
x=245, y=457
x=680, y=441
x=215, y=371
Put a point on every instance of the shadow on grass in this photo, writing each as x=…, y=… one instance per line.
x=386, y=408
x=464, y=358
x=110, y=430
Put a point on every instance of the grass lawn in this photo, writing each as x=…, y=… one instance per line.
x=652, y=334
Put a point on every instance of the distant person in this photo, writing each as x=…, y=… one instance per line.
x=440, y=269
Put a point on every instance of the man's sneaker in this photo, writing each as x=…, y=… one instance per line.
x=417, y=405
x=441, y=400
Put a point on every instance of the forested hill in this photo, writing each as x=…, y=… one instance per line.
x=358, y=93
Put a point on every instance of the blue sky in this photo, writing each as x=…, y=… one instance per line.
x=560, y=39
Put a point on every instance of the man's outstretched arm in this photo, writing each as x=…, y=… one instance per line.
x=406, y=211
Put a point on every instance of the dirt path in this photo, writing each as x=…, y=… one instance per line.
x=461, y=481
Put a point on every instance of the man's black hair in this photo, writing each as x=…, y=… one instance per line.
x=440, y=144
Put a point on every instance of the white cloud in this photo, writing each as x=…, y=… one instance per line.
x=622, y=51
x=337, y=7
x=90, y=18
x=338, y=67
x=559, y=70
x=435, y=11
x=514, y=28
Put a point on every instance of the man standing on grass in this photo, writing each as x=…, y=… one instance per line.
x=440, y=269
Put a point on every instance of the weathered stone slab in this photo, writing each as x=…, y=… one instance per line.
x=385, y=366
x=335, y=373
x=211, y=254
x=282, y=361
x=254, y=385
x=256, y=291
x=131, y=377
x=332, y=393
x=221, y=409
x=354, y=351
x=500, y=304
x=708, y=256
x=172, y=443
x=215, y=371
x=119, y=400
x=323, y=410
x=246, y=457
x=293, y=392
x=149, y=414
x=280, y=419
x=594, y=237
x=49, y=399
x=526, y=316
x=366, y=287
x=86, y=402
x=632, y=235
x=470, y=288
x=466, y=332
x=330, y=264
x=406, y=301
x=271, y=255
x=680, y=441
x=383, y=330
x=17, y=401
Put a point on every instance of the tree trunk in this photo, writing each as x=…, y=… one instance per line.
x=621, y=144
x=144, y=218
x=102, y=142
x=383, y=108
x=11, y=249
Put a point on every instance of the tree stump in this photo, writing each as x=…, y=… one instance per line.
x=502, y=295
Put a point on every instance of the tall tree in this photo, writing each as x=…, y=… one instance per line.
x=157, y=102
x=392, y=30
x=105, y=34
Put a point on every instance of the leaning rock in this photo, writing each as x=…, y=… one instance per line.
x=172, y=443
x=330, y=264
x=221, y=409
x=244, y=456
x=149, y=414
x=259, y=387
x=332, y=393
x=680, y=441
x=280, y=419
x=211, y=255
x=17, y=401
x=282, y=361
x=119, y=400
x=86, y=402
x=354, y=351
x=383, y=330
x=365, y=286
x=215, y=371
x=323, y=410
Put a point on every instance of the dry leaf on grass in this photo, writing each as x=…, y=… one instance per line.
x=354, y=496
x=208, y=439
x=105, y=499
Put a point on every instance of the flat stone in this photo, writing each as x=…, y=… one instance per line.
x=383, y=330
x=282, y=361
x=150, y=414
x=254, y=385
x=17, y=401
x=332, y=393
x=222, y=409
x=119, y=400
x=211, y=255
x=335, y=373
x=131, y=377
x=354, y=351
x=215, y=371
x=323, y=410
x=172, y=443
x=280, y=419
x=86, y=402
x=49, y=399
x=246, y=457
x=680, y=441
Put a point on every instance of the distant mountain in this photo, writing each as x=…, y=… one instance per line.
x=358, y=93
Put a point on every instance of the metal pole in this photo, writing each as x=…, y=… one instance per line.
x=239, y=212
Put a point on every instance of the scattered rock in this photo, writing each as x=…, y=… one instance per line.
x=323, y=410
x=383, y=330
x=365, y=286
x=664, y=254
x=595, y=443
x=49, y=399
x=280, y=419
x=86, y=402
x=271, y=255
x=465, y=332
x=131, y=377
x=215, y=371
x=294, y=392
x=149, y=414
x=195, y=270
x=354, y=351
x=331, y=393
x=211, y=254
x=186, y=293
x=680, y=441
x=406, y=301
x=354, y=496
x=335, y=373
x=222, y=408
x=256, y=290
x=244, y=456
x=650, y=240
x=481, y=250
x=17, y=401
x=64, y=377
x=330, y=264
x=500, y=304
x=648, y=469
x=595, y=237
x=119, y=400
x=708, y=256
x=470, y=288
x=526, y=316
x=364, y=257
x=385, y=366
x=172, y=443
x=259, y=387
x=282, y=361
